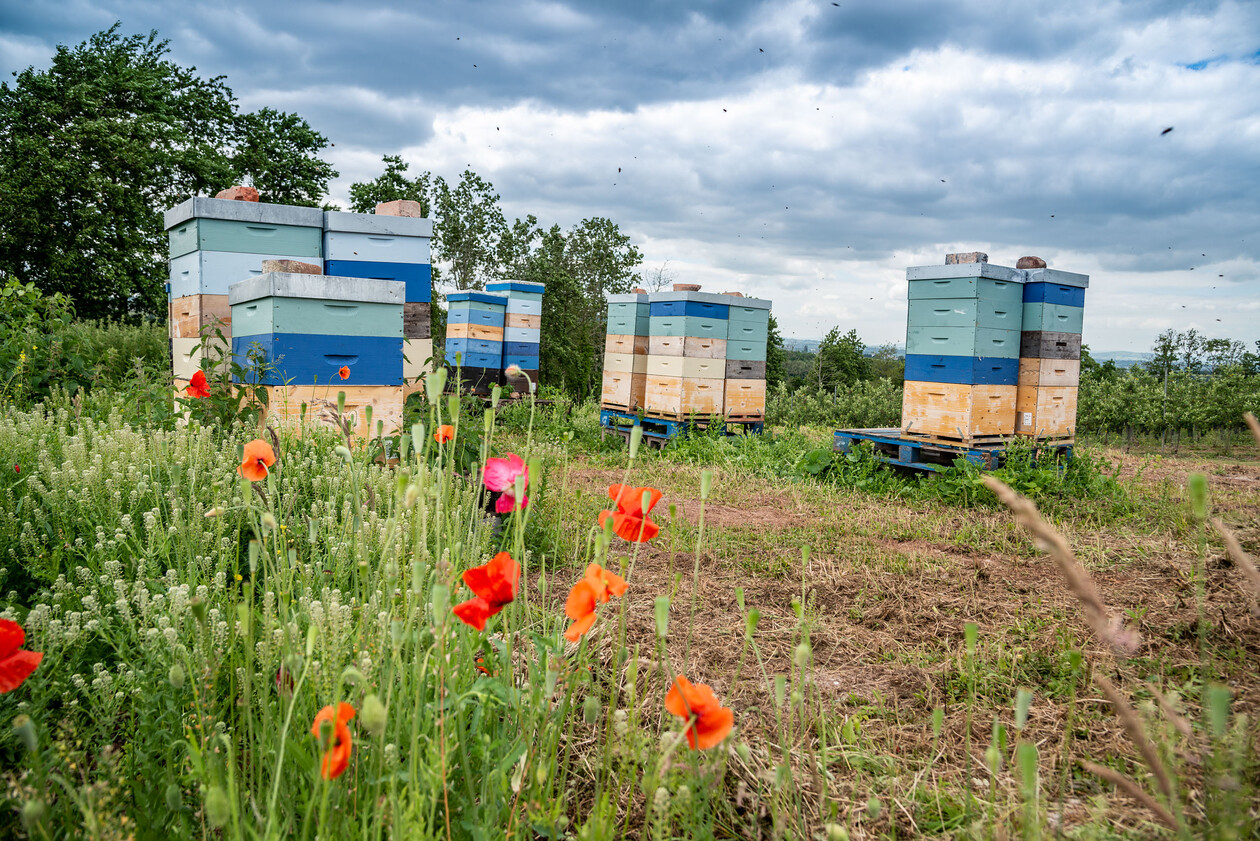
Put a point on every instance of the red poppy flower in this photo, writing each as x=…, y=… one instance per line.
x=197, y=386
x=708, y=722
x=597, y=586
x=630, y=520
x=495, y=584
x=444, y=433
x=344, y=372
x=16, y=665
x=337, y=752
x=258, y=456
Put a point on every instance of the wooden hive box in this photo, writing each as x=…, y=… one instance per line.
x=745, y=399
x=1046, y=411
x=285, y=404
x=190, y=314
x=623, y=391
x=380, y=247
x=958, y=412
x=1049, y=372
x=677, y=398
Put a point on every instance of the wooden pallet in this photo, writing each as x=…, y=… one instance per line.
x=951, y=441
x=894, y=447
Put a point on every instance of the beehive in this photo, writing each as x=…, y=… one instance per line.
x=626, y=353
x=474, y=338
x=308, y=327
x=963, y=330
x=1050, y=353
x=214, y=243
x=522, y=333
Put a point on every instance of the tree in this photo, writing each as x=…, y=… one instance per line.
x=468, y=228
x=112, y=133
x=776, y=370
x=393, y=185
x=887, y=362
x=841, y=360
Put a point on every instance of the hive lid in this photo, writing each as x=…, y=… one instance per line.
x=376, y=223
x=516, y=286
x=989, y=270
x=200, y=207
x=1056, y=276
x=628, y=298
x=317, y=286
x=481, y=297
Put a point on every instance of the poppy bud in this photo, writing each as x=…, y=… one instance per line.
x=176, y=676
x=32, y=814
x=218, y=810
x=706, y=483
x=745, y=752
x=412, y=494
x=835, y=832
x=590, y=709
x=373, y=715
x=873, y=808
x=174, y=797
x=343, y=452
x=26, y=732
x=661, y=608
x=198, y=606
x=802, y=653
x=269, y=521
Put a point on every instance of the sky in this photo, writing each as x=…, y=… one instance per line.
x=805, y=152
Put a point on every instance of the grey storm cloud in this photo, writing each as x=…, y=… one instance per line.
x=808, y=150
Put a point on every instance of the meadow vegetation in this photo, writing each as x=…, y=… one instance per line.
x=900, y=656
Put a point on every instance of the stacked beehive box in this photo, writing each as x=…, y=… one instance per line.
x=962, y=351
x=686, y=365
x=391, y=244
x=307, y=328
x=1050, y=353
x=214, y=243
x=474, y=338
x=521, y=329
x=747, y=334
x=626, y=353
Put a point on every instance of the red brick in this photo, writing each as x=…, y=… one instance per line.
x=238, y=193
x=401, y=207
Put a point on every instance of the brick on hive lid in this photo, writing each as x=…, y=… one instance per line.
x=238, y=193
x=686, y=287
x=966, y=257
x=291, y=266
x=734, y=294
x=1030, y=263
x=638, y=291
x=400, y=207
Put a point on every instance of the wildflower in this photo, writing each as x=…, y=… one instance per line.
x=495, y=584
x=444, y=433
x=630, y=521
x=337, y=753
x=257, y=458
x=197, y=386
x=513, y=371
x=344, y=372
x=707, y=721
x=500, y=475
x=597, y=586
x=16, y=665
x=17, y=468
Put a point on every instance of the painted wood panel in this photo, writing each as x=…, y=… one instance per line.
x=522, y=321
x=685, y=366
x=187, y=355
x=1054, y=293
x=629, y=309
x=626, y=363
x=965, y=312
x=527, y=361
x=285, y=403
x=417, y=357
x=749, y=351
x=1046, y=411
x=1058, y=318
x=962, y=341
x=522, y=334
x=417, y=320
x=682, y=396
x=667, y=345
x=746, y=331
x=687, y=325
x=307, y=359
x=745, y=369
x=470, y=346
x=479, y=332
x=375, y=248
x=952, y=410
x=628, y=325
x=461, y=359
x=1040, y=344
x=417, y=277
x=745, y=398
x=621, y=343
x=697, y=309
x=1049, y=372
x=460, y=314
x=1006, y=292
x=248, y=237
x=520, y=348
x=749, y=315
x=316, y=317
x=189, y=314
x=526, y=307
x=966, y=370
x=624, y=390
x=702, y=348
x=478, y=379
x=212, y=272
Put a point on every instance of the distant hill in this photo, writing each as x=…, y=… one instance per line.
x=1122, y=358
x=807, y=345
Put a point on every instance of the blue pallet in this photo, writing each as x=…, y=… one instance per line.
x=964, y=370
x=660, y=432
x=417, y=276
x=520, y=348
x=684, y=308
x=1054, y=293
x=305, y=359
x=893, y=447
x=529, y=363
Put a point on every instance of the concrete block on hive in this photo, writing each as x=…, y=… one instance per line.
x=401, y=207
x=1046, y=411
x=190, y=314
x=956, y=411
x=238, y=193
x=285, y=404
x=966, y=257
x=294, y=266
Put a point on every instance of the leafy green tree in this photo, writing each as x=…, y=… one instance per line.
x=468, y=229
x=516, y=245
x=776, y=369
x=112, y=133
x=393, y=185
x=887, y=362
x=841, y=360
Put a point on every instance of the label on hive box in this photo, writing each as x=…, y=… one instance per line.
x=1027, y=419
